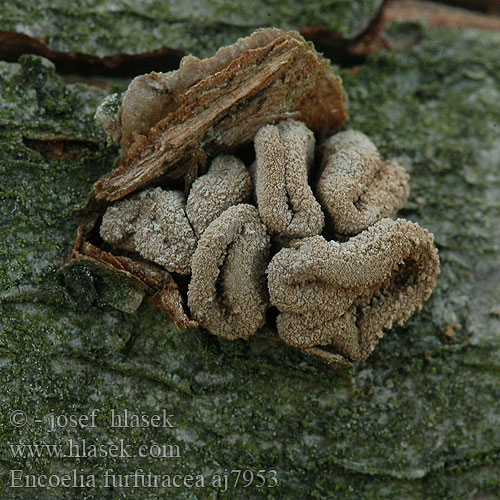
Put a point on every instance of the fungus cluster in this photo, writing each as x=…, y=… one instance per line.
x=254, y=238
x=303, y=232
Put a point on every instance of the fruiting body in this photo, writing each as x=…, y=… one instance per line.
x=355, y=188
x=328, y=293
x=346, y=294
x=228, y=293
x=274, y=89
x=156, y=226
x=285, y=153
x=226, y=183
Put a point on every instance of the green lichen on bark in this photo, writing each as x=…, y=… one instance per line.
x=419, y=418
x=200, y=27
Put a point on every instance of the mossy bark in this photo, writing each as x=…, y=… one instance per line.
x=199, y=27
x=418, y=419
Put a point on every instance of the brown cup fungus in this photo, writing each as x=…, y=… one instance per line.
x=345, y=294
x=355, y=188
x=285, y=153
x=155, y=225
x=274, y=89
x=227, y=292
x=226, y=183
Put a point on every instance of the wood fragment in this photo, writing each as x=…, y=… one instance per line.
x=158, y=283
x=218, y=104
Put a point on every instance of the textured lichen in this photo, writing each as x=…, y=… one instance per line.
x=419, y=418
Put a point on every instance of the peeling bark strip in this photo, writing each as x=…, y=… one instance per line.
x=434, y=14
x=13, y=45
x=156, y=282
x=170, y=120
x=345, y=294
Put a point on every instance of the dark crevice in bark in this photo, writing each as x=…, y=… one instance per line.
x=59, y=148
x=13, y=45
x=346, y=52
x=343, y=51
x=487, y=6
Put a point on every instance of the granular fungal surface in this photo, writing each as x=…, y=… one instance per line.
x=337, y=295
x=317, y=246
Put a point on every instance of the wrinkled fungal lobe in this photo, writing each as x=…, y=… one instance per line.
x=227, y=292
x=355, y=187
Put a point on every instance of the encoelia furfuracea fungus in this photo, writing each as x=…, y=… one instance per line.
x=312, y=239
